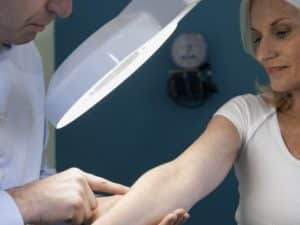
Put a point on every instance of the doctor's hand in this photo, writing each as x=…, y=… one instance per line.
x=65, y=197
x=178, y=217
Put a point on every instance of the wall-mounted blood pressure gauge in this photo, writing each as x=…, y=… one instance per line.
x=191, y=83
x=189, y=51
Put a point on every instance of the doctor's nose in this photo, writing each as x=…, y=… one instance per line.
x=60, y=8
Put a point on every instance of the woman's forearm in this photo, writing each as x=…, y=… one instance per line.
x=179, y=183
x=162, y=190
x=158, y=192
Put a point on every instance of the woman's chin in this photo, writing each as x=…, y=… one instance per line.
x=284, y=87
x=280, y=88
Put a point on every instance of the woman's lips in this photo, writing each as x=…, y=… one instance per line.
x=276, y=69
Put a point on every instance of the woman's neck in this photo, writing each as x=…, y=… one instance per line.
x=294, y=112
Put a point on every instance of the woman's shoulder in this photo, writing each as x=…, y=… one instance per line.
x=247, y=112
x=247, y=107
x=251, y=103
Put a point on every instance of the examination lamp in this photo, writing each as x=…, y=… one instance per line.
x=109, y=56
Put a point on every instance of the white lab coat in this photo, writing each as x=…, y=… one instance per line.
x=23, y=129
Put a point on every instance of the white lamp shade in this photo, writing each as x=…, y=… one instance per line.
x=111, y=55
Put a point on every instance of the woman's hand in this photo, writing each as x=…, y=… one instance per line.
x=178, y=217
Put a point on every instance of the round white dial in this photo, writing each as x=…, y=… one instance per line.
x=189, y=51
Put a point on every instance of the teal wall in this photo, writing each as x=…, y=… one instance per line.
x=137, y=126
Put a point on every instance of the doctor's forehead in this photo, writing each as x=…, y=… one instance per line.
x=267, y=11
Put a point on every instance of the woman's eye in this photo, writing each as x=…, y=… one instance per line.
x=282, y=34
x=256, y=40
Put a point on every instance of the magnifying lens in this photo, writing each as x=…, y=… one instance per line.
x=110, y=55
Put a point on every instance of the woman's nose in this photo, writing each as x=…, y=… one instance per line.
x=265, y=50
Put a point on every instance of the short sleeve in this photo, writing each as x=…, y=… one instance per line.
x=10, y=214
x=246, y=112
x=236, y=111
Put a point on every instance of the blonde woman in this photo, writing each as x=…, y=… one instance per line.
x=257, y=134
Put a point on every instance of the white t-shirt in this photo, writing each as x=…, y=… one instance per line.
x=22, y=125
x=268, y=174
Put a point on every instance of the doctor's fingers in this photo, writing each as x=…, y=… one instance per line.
x=83, y=207
x=102, y=185
x=79, y=187
x=79, y=213
x=91, y=198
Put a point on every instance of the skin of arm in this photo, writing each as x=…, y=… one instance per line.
x=106, y=203
x=182, y=182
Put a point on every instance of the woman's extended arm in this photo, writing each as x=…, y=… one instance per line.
x=181, y=182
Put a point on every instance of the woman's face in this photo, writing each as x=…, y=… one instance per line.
x=275, y=28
